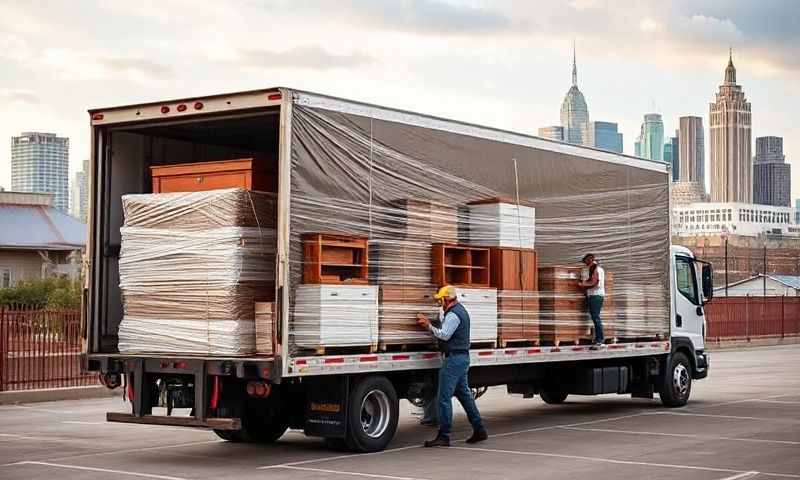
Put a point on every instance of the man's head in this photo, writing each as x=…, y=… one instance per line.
x=446, y=296
x=588, y=259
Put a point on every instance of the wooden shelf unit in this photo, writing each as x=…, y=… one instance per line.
x=250, y=173
x=460, y=265
x=334, y=259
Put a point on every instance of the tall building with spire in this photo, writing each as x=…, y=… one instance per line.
x=650, y=143
x=574, y=112
x=730, y=142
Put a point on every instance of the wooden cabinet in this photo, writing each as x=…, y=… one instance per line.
x=460, y=265
x=514, y=269
x=334, y=259
x=249, y=173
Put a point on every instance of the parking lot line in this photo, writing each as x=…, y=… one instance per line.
x=132, y=450
x=356, y=474
x=741, y=476
x=779, y=402
x=337, y=457
x=103, y=470
x=744, y=400
x=732, y=417
x=550, y=427
x=683, y=435
x=621, y=462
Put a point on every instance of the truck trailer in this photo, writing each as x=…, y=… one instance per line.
x=442, y=196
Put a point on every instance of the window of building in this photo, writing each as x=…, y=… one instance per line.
x=5, y=277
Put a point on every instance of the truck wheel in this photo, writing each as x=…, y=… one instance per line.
x=553, y=396
x=372, y=417
x=262, y=422
x=677, y=384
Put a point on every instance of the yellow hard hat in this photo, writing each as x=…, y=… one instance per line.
x=446, y=291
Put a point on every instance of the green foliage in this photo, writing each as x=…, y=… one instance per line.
x=49, y=292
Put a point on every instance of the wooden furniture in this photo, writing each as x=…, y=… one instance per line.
x=460, y=265
x=397, y=314
x=249, y=173
x=265, y=328
x=481, y=303
x=426, y=221
x=514, y=269
x=517, y=317
x=501, y=222
x=334, y=259
x=328, y=316
x=400, y=262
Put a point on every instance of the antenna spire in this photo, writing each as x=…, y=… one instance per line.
x=574, y=66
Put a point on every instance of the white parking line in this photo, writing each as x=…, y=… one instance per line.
x=621, y=462
x=104, y=470
x=590, y=422
x=337, y=457
x=132, y=450
x=76, y=422
x=732, y=417
x=741, y=476
x=779, y=402
x=745, y=400
x=71, y=441
x=683, y=435
x=356, y=474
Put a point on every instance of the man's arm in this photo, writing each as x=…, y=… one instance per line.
x=449, y=325
x=593, y=280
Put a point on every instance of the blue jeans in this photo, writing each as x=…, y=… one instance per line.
x=595, y=305
x=453, y=381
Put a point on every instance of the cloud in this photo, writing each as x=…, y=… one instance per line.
x=93, y=66
x=18, y=96
x=432, y=17
x=310, y=57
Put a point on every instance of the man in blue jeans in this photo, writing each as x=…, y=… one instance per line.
x=453, y=339
x=595, y=294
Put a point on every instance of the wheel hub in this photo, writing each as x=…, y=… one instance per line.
x=375, y=413
x=680, y=379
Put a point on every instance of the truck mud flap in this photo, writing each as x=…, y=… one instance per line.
x=326, y=407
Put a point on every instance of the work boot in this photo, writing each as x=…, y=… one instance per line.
x=478, y=435
x=439, y=441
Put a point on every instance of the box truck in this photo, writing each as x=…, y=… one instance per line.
x=374, y=208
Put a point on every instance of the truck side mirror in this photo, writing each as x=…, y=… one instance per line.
x=708, y=282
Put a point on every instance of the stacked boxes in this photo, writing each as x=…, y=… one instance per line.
x=335, y=316
x=481, y=303
x=501, y=223
x=265, y=328
x=563, y=310
x=399, y=305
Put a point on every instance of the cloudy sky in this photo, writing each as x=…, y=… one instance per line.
x=498, y=63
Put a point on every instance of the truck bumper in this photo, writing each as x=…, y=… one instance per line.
x=215, y=423
x=702, y=362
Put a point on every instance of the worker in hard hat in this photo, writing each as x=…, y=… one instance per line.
x=453, y=339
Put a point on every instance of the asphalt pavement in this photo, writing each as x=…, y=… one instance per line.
x=743, y=422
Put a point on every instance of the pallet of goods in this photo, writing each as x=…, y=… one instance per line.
x=481, y=303
x=517, y=317
x=265, y=328
x=562, y=303
x=191, y=268
x=399, y=305
x=425, y=221
x=501, y=223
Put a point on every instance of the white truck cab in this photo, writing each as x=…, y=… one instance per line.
x=691, y=288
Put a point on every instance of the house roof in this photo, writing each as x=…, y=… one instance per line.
x=790, y=281
x=39, y=227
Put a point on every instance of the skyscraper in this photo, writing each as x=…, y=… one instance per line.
x=691, y=150
x=667, y=154
x=40, y=164
x=731, y=161
x=771, y=174
x=555, y=132
x=604, y=135
x=676, y=158
x=651, y=137
x=80, y=194
x=574, y=112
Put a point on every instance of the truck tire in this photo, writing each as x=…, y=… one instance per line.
x=677, y=384
x=372, y=416
x=553, y=395
x=263, y=422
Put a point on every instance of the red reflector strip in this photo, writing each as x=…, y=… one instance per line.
x=486, y=354
x=578, y=349
x=429, y=355
x=371, y=358
x=274, y=96
x=534, y=350
x=181, y=365
x=300, y=362
x=511, y=352
x=640, y=345
x=655, y=345
x=335, y=360
x=401, y=357
x=616, y=347
x=555, y=350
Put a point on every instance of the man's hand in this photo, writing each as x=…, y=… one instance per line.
x=422, y=320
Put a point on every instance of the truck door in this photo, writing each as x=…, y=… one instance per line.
x=688, y=320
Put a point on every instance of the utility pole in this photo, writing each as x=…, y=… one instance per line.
x=726, y=265
x=765, y=268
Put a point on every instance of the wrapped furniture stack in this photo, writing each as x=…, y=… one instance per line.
x=192, y=265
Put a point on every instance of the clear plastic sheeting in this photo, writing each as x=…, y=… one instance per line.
x=189, y=276
x=408, y=188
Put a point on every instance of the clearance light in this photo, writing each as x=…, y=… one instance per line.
x=165, y=109
x=274, y=96
x=198, y=105
x=251, y=389
x=97, y=116
x=182, y=107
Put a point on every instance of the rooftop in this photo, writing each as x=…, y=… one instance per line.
x=30, y=222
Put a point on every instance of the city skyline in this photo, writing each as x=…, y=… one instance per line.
x=515, y=57
x=40, y=164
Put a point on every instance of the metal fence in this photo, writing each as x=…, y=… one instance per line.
x=747, y=318
x=40, y=348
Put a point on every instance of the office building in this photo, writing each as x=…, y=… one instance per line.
x=732, y=218
x=651, y=138
x=797, y=211
x=40, y=164
x=730, y=150
x=669, y=157
x=691, y=150
x=771, y=174
x=604, y=135
x=574, y=112
x=79, y=200
x=554, y=132
x=676, y=157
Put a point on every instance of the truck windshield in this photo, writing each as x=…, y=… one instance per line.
x=685, y=278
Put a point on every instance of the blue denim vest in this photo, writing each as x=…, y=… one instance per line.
x=459, y=342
